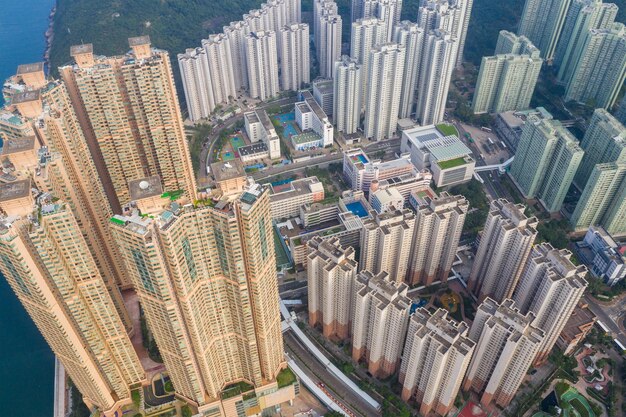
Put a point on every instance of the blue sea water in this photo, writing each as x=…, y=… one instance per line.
x=26, y=362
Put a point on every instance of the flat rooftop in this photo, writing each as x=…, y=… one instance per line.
x=26, y=96
x=265, y=120
x=255, y=148
x=251, y=117
x=223, y=171
x=439, y=146
x=12, y=146
x=139, y=40
x=30, y=68
x=14, y=190
x=323, y=86
x=307, y=97
x=85, y=48
x=145, y=187
x=298, y=187
x=306, y=137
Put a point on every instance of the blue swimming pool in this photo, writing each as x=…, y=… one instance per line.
x=357, y=208
x=282, y=182
x=360, y=158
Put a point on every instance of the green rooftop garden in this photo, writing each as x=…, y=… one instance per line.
x=235, y=389
x=118, y=221
x=285, y=378
x=331, y=231
x=173, y=195
x=451, y=163
x=447, y=129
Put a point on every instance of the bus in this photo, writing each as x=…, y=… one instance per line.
x=503, y=144
x=485, y=129
x=602, y=326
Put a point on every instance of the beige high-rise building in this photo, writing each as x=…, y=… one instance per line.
x=506, y=345
x=128, y=108
x=436, y=355
x=438, y=226
x=550, y=288
x=505, y=244
x=71, y=173
x=331, y=274
x=386, y=243
x=50, y=267
x=379, y=324
x=206, y=280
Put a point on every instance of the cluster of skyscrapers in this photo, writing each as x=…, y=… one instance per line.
x=98, y=195
x=403, y=68
x=527, y=294
x=549, y=159
x=583, y=41
x=263, y=54
x=506, y=81
x=395, y=69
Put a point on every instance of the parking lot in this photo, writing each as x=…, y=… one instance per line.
x=494, y=151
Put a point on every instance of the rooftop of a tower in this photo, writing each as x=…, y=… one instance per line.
x=11, y=146
x=30, y=68
x=14, y=190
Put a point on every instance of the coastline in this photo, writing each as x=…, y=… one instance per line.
x=49, y=35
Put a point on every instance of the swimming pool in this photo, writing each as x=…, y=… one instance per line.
x=357, y=208
x=282, y=182
x=360, y=158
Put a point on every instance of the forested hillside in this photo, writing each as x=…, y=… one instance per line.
x=175, y=25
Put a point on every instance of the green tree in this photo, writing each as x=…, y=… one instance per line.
x=186, y=411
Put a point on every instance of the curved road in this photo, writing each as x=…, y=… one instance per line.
x=211, y=140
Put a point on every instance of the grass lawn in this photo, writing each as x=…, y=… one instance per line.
x=285, y=378
x=447, y=129
x=451, y=163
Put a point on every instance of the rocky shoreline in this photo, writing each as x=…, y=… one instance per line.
x=49, y=35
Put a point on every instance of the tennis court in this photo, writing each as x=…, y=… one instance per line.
x=287, y=121
x=286, y=117
x=237, y=142
x=577, y=402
